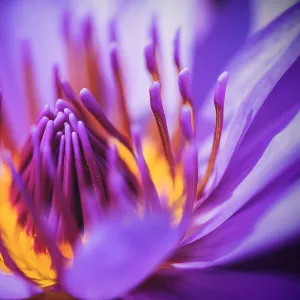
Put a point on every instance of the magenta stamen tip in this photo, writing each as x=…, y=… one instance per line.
x=184, y=80
x=66, y=25
x=85, y=93
x=221, y=89
x=112, y=154
x=136, y=136
x=114, y=60
x=149, y=53
x=177, y=48
x=87, y=30
x=112, y=30
x=154, y=30
x=67, y=111
x=155, y=98
x=186, y=121
x=191, y=161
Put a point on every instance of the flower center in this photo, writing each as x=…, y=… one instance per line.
x=76, y=166
x=78, y=154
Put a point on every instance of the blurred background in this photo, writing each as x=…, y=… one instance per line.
x=43, y=25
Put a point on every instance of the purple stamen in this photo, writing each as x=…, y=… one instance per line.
x=68, y=91
x=112, y=30
x=45, y=112
x=93, y=107
x=124, y=118
x=70, y=234
x=150, y=194
x=9, y=262
x=154, y=35
x=61, y=105
x=92, y=166
x=73, y=122
x=66, y=26
x=176, y=50
x=186, y=122
x=159, y=114
x=184, y=79
x=191, y=179
x=57, y=84
x=59, y=120
x=149, y=53
x=68, y=181
x=87, y=30
x=54, y=214
x=220, y=90
x=82, y=181
x=41, y=225
x=117, y=188
x=114, y=59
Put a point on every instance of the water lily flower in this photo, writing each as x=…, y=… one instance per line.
x=98, y=206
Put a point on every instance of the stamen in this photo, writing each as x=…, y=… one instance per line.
x=93, y=107
x=219, y=98
x=70, y=234
x=38, y=193
x=9, y=262
x=112, y=30
x=59, y=120
x=118, y=191
x=184, y=79
x=61, y=105
x=184, y=88
x=45, y=112
x=5, y=133
x=66, y=25
x=124, y=119
x=70, y=94
x=92, y=166
x=73, y=122
x=81, y=111
x=150, y=195
x=29, y=82
x=96, y=80
x=88, y=204
x=57, y=85
x=55, y=211
x=191, y=178
x=39, y=180
x=68, y=175
x=158, y=111
x=41, y=225
x=186, y=122
x=154, y=35
x=150, y=58
x=176, y=50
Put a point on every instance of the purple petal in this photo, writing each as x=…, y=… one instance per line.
x=265, y=161
x=119, y=254
x=253, y=74
x=218, y=285
x=14, y=287
x=269, y=221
